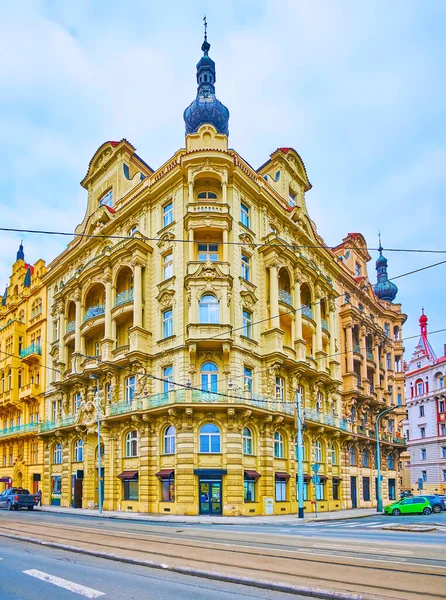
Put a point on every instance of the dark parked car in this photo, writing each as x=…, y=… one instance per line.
x=16, y=498
x=437, y=503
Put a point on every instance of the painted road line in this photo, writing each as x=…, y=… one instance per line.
x=64, y=583
x=381, y=525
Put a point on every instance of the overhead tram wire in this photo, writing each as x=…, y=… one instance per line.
x=183, y=241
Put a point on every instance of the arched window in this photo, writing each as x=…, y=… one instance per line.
x=209, y=377
x=317, y=452
x=334, y=458
x=391, y=462
x=9, y=379
x=131, y=444
x=419, y=387
x=352, y=456
x=22, y=316
x=278, y=445
x=365, y=458
x=303, y=448
x=169, y=440
x=209, y=309
x=247, y=441
x=78, y=451
x=210, y=438
x=3, y=382
x=207, y=195
x=57, y=456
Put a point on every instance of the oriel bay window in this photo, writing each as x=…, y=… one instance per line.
x=281, y=480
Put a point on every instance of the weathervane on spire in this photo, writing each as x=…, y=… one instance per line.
x=205, y=29
x=380, y=248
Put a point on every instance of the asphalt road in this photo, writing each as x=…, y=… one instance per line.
x=356, y=555
x=100, y=578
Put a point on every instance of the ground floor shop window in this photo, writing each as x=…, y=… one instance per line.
x=249, y=490
x=130, y=489
x=366, y=488
x=336, y=488
x=280, y=490
x=56, y=489
x=168, y=489
x=392, y=489
x=319, y=491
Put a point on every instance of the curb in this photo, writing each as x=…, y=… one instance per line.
x=418, y=529
x=314, y=520
x=322, y=594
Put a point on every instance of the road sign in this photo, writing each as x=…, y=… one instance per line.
x=315, y=467
x=316, y=479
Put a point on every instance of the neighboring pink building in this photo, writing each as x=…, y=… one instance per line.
x=425, y=426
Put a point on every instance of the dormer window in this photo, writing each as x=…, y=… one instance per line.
x=358, y=270
x=107, y=199
x=207, y=195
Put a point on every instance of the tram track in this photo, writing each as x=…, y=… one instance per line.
x=289, y=564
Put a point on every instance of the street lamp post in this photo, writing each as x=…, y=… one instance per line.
x=100, y=499
x=300, y=466
x=379, y=501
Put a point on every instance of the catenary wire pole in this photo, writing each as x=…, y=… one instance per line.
x=300, y=466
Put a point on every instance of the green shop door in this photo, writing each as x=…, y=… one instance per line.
x=210, y=497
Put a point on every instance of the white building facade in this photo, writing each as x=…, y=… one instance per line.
x=425, y=426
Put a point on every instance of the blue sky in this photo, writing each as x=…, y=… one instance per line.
x=356, y=88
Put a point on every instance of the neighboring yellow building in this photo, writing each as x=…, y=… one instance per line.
x=195, y=303
x=22, y=375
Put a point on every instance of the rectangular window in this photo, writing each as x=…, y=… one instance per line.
x=391, y=426
x=107, y=199
x=167, y=214
x=168, y=489
x=244, y=215
x=208, y=252
x=357, y=270
x=424, y=476
x=366, y=489
x=399, y=399
x=247, y=379
x=280, y=490
x=388, y=361
x=444, y=475
x=280, y=388
x=249, y=490
x=336, y=485
x=247, y=324
x=443, y=429
x=387, y=329
x=441, y=406
x=421, y=411
x=319, y=491
x=423, y=432
x=56, y=330
x=443, y=452
x=168, y=379
x=167, y=323
x=423, y=454
x=291, y=199
x=130, y=386
x=419, y=389
x=130, y=489
x=168, y=266
x=97, y=348
x=246, y=267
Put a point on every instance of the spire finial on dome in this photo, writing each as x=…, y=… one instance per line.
x=205, y=45
x=20, y=253
x=380, y=248
x=384, y=289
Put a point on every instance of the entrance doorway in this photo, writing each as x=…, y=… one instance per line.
x=210, y=496
x=76, y=492
x=353, y=492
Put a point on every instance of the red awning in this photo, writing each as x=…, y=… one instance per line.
x=252, y=474
x=282, y=476
x=165, y=473
x=128, y=475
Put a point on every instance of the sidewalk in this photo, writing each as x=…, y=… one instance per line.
x=356, y=513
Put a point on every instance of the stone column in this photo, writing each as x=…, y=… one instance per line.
x=298, y=307
x=363, y=348
x=62, y=326
x=190, y=181
x=108, y=306
x=376, y=358
x=191, y=253
x=332, y=328
x=225, y=245
x=77, y=339
x=349, y=336
x=137, y=294
x=224, y=185
x=318, y=319
x=274, y=296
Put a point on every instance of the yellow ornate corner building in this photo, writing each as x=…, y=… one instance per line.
x=196, y=301
x=22, y=375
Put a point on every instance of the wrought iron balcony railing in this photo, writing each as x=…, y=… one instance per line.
x=31, y=349
x=71, y=326
x=286, y=297
x=94, y=311
x=124, y=297
x=306, y=311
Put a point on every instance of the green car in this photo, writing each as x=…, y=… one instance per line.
x=420, y=505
